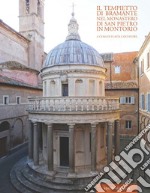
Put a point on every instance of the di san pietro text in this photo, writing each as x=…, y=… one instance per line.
x=117, y=18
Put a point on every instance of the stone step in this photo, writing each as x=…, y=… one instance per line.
x=27, y=180
x=57, y=179
x=56, y=184
x=16, y=183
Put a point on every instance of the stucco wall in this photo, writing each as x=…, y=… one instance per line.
x=12, y=47
x=15, y=114
x=128, y=111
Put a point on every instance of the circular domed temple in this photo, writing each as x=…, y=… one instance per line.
x=67, y=133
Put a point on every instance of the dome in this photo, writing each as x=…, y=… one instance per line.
x=73, y=50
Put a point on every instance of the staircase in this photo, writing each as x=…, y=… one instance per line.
x=27, y=180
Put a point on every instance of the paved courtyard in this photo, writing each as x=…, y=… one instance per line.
x=6, y=164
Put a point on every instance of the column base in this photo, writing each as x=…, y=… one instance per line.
x=71, y=175
x=51, y=173
x=93, y=173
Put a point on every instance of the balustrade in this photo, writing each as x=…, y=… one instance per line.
x=73, y=104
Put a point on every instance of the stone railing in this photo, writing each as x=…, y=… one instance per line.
x=72, y=104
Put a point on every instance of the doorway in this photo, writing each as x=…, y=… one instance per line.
x=3, y=146
x=64, y=151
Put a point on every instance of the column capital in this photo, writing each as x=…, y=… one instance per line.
x=49, y=125
x=71, y=125
x=110, y=123
x=117, y=123
x=93, y=125
x=35, y=123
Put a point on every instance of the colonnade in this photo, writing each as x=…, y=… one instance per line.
x=34, y=144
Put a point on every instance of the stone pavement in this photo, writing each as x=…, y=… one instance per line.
x=6, y=164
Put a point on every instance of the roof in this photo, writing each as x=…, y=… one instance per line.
x=73, y=50
x=107, y=57
x=9, y=81
x=14, y=65
x=13, y=31
x=145, y=43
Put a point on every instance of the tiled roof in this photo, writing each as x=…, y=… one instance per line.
x=13, y=31
x=16, y=65
x=107, y=57
x=9, y=81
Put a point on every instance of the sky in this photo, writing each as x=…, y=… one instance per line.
x=58, y=14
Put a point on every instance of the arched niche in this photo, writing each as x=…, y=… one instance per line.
x=101, y=88
x=17, y=132
x=52, y=88
x=79, y=87
x=92, y=87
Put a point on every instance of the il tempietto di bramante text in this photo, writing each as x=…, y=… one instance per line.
x=117, y=18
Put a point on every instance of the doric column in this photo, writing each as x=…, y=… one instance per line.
x=36, y=144
x=44, y=139
x=93, y=147
x=50, y=147
x=117, y=137
x=71, y=148
x=109, y=142
x=30, y=140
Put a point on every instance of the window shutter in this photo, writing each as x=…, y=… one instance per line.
x=132, y=100
x=143, y=101
x=148, y=102
x=122, y=100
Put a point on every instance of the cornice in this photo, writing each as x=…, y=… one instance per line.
x=121, y=85
x=64, y=72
